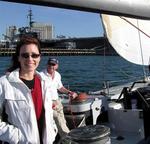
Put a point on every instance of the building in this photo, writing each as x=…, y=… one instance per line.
x=10, y=32
x=44, y=31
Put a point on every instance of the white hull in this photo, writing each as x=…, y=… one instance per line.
x=126, y=124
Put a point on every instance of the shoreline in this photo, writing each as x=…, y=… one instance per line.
x=59, y=52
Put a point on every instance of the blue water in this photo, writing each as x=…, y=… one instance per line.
x=87, y=73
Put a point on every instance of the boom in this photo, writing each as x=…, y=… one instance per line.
x=129, y=8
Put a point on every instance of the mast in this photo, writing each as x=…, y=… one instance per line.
x=30, y=18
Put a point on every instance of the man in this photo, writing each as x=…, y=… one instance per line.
x=54, y=78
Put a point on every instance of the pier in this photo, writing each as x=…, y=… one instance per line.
x=52, y=52
x=7, y=51
x=83, y=46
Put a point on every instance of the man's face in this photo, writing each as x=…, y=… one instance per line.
x=52, y=67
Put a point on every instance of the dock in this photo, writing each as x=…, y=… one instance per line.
x=52, y=52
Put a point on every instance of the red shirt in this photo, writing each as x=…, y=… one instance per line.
x=37, y=97
x=38, y=104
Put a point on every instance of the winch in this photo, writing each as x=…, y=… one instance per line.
x=82, y=107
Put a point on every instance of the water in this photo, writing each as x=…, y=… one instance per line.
x=87, y=73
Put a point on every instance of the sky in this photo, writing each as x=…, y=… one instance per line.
x=70, y=23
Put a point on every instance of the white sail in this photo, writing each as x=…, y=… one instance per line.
x=129, y=37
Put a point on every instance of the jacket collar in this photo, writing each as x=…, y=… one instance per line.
x=14, y=76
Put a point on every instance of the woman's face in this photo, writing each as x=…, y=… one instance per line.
x=29, y=58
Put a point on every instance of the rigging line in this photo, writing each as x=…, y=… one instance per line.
x=104, y=54
x=135, y=27
x=149, y=65
x=144, y=72
x=122, y=80
x=127, y=75
x=99, y=46
x=139, y=30
x=72, y=115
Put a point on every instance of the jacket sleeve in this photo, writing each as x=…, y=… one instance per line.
x=8, y=132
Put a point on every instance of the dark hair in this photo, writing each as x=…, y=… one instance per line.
x=24, y=40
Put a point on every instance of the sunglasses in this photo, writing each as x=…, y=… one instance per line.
x=27, y=55
x=51, y=64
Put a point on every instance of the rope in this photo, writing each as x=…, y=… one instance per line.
x=135, y=27
x=144, y=73
x=139, y=30
x=81, y=97
x=72, y=115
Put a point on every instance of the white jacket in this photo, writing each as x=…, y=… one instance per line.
x=22, y=124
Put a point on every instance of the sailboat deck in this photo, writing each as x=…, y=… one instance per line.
x=125, y=138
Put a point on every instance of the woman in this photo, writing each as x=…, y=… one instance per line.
x=26, y=114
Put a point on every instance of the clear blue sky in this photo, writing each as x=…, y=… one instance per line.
x=66, y=22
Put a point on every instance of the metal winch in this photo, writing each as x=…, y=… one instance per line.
x=82, y=106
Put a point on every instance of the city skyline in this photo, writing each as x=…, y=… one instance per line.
x=69, y=23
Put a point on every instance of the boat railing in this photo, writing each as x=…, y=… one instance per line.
x=105, y=87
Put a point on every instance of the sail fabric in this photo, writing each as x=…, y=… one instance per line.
x=129, y=37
